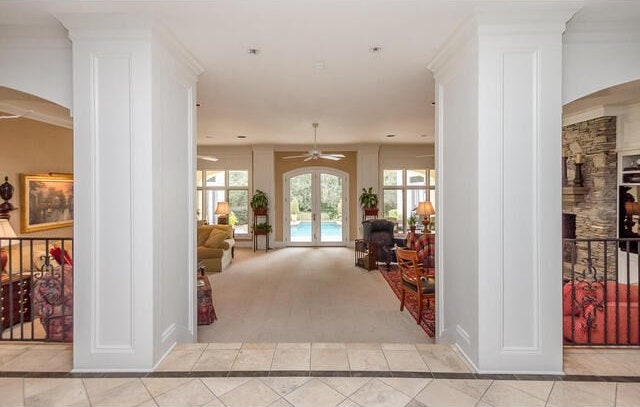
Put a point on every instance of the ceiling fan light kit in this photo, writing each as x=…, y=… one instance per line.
x=315, y=154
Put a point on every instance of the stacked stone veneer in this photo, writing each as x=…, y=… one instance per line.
x=596, y=212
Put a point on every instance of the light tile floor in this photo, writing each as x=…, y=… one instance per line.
x=283, y=357
x=310, y=391
x=343, y=382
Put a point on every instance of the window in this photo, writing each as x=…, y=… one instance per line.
x=402, y=190
x=232, y=186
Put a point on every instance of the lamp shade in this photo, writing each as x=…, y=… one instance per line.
x=425, y=209
x=6, y=230
x=632, y=208
x=222, y=208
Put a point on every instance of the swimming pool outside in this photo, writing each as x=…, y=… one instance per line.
x=330, y=232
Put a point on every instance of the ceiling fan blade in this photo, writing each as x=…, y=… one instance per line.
x=295, y=156
x=207, y=158
x=330, y=157
x=309, y=158
x=338, y=155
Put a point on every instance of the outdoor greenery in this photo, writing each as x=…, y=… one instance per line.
x=238, y=206
x=331, y=192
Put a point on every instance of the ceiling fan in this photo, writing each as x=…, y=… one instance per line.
x=315, y=153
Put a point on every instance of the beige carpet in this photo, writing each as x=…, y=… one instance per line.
x=305, y=295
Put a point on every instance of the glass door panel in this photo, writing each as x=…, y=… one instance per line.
x=394, y=208
x=301, y=209
x=330, y=208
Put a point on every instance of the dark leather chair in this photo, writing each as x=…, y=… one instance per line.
x=379, y=232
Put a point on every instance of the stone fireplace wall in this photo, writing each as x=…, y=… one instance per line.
x=596, y=210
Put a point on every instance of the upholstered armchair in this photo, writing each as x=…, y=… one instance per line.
x=379, y=232
x=53, y=301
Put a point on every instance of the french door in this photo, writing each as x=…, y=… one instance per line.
x=315, y=207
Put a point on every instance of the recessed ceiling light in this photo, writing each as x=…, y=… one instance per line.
x=390, y=135
x=375, y=50
x=242, y=137
x=253, y=51
x=319, y=65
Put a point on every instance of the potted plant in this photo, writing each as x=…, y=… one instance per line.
x=369, y=202
x=260, y=203
x=413, y=219
x=262, y=228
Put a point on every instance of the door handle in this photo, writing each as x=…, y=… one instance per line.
x=313, y=217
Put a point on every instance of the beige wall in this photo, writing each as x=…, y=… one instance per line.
x=32, y=147
x=347, y=164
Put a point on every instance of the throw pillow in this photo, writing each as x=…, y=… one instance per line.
x=216, y=238
x=56, y=252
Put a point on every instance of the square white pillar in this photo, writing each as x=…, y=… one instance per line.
x=134, y=154
x=498, y=86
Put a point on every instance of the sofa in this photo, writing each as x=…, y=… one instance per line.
x=585, y=312
x=215, y=246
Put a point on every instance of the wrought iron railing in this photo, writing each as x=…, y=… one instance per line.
x=37, y=289
x=600, y=292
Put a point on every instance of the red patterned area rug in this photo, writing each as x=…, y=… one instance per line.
x=392, y=276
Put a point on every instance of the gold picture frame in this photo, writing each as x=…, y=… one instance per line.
x=46, y=202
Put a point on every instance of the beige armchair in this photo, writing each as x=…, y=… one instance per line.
x=215, y=246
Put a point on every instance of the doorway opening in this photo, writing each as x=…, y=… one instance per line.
x=316, y=212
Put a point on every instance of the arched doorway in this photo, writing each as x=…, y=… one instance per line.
x=315, y=209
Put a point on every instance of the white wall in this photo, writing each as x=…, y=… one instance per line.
x=264, y=180
x=174, y=100
x=37, y=60
x=457, y=193
x=597, y=56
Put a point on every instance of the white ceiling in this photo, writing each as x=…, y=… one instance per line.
x=314, y=63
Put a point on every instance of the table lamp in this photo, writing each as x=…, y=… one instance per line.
x=425, y=209
x=6, y=231
x=222, y=210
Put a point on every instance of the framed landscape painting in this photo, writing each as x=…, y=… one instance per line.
x=47, y=202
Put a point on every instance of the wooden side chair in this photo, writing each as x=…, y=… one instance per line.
x=415, y=278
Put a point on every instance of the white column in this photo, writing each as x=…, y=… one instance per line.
x=264, y=180
x=128, y=113
x=499, y=104
x=368, y=174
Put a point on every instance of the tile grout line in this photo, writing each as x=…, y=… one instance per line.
x=151, y=395
x=484, y=392
x=553, y=385
x=615, y=396
x=199, y=379
x=84, y=387
x=234, y=359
